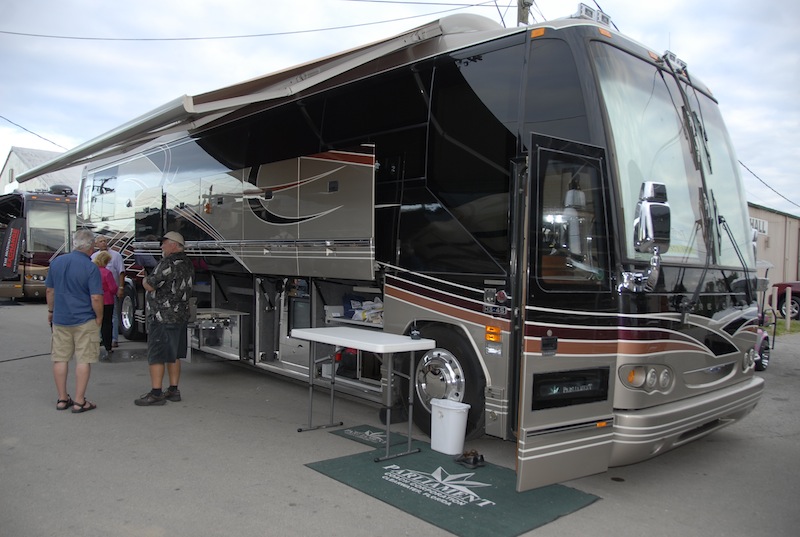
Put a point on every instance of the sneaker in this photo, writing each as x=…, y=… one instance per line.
x=173, y=395
x=149, y=399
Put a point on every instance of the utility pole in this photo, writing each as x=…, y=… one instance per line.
x=522, y=12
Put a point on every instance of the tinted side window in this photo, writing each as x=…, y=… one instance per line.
x=554, y=103
x=102, y=188
x=473, y=138
x=432, y=240
x=380, y=104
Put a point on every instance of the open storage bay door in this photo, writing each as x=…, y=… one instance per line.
x=314, y=216
x=568, y=358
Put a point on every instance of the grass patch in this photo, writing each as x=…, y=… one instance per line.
x=780, y=324
x=781, y=328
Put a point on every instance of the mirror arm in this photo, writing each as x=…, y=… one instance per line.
x=639, y=282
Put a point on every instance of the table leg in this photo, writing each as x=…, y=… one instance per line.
x=388, y=405
x=312, y=363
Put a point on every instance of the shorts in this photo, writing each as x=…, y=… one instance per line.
x=165, y=342
x=82, y=341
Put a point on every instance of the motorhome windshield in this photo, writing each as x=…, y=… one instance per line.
x=49, y=226
x=652, y=142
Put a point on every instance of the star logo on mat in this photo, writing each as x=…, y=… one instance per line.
x=375, y=436
x=439, y=485
x=368, y=435
x=458, y=481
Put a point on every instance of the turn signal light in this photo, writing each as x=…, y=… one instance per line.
x=493, y=333
x=494, y=340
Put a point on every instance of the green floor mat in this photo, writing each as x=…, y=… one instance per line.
x=469, y=503
x=370, y=435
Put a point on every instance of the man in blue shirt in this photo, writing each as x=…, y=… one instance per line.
x=75, y=312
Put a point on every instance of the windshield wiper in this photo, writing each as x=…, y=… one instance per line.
x=700, y=126
x=724, y=224
x=699, y=121
x=691, y=128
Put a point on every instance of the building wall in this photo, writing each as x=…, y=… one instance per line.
x=12, y=168
x=778, y=242
x=22, y=159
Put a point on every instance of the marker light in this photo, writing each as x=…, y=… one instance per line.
x=677, y=64
x=493, y=334
x=494, y=340
x=585, y=12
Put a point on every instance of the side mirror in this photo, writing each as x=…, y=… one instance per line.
x=651, y=226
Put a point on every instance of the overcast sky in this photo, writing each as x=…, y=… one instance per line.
x=70, y=91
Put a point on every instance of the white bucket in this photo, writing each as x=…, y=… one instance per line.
x=448, y=426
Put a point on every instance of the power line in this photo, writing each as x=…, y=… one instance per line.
x=766, y=185
x=418, y=3
x=488, y=3
x=30, y=131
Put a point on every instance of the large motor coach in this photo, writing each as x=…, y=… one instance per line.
x=557, y=206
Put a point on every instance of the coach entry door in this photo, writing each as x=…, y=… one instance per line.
x=565, y=418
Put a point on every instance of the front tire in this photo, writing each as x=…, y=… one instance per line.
x=794, y=308
x=450, y=371
x=762, y=362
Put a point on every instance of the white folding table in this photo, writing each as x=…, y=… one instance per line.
x=371, y=341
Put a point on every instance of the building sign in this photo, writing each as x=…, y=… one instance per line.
x=762, y=226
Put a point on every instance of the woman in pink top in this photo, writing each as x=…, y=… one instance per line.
x=109, y=292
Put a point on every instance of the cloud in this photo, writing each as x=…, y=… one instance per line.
x=71, y=91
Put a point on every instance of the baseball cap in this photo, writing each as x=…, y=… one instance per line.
x=173, y=236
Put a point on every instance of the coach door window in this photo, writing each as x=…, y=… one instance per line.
x=572, y=230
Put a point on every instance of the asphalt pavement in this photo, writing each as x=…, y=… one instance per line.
x=228, y=460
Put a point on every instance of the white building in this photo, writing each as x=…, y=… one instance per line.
x=778, y=242
x=22, y=159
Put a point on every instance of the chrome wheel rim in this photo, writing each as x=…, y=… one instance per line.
x=126, y=313
x=439, y=375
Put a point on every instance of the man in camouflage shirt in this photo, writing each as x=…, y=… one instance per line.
x=169, y=288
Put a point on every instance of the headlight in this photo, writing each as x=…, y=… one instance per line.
x=647, y=378
x=652, y=376
x=749, y=359
x=665, y=379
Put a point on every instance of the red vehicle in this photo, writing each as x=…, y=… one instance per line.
x=794, y=300
x=35, y=227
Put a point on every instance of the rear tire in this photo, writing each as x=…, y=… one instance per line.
x=127, y=319
x=449, y=371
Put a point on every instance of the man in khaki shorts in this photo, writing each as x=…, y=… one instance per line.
x=75, y=312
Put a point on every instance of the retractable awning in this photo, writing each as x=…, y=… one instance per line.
x=188, y=113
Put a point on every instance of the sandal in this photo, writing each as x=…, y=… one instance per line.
x=68, y=402
x=85, y=407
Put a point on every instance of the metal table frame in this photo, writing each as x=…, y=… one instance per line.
x=372, y=341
